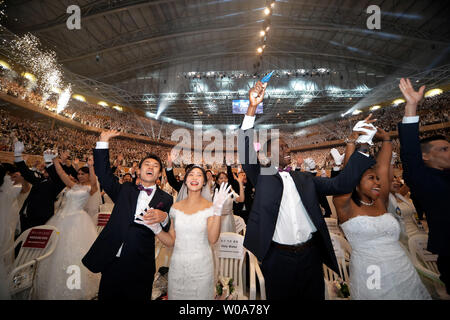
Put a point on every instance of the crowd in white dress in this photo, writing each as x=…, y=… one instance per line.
x=376, y=219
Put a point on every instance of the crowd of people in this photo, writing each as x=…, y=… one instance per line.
x=286, y=230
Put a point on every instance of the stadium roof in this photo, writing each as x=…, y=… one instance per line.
x=188, y=59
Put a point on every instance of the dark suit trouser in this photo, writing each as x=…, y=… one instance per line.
x=443, y=264
x=121, y=282
x=291, y=275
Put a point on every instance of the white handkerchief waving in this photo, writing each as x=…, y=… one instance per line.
x=369, y=130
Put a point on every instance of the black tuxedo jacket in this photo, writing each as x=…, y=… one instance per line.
x=269, y=190
x=40, y=203
x=430, y=187
x=138, y=249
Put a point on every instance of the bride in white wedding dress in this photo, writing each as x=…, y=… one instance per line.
x=57, y=276
x=379, y=266
x=195, y=227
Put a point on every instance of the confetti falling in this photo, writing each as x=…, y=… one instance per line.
x=27, y=52
x=64, y=99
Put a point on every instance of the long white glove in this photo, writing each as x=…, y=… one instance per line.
x=369, y=133
x=18, y=148
x=220, y=196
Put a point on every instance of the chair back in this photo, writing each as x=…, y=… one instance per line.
x=229, y=257
x=102, y=220
x=36, y=244
x=241, y=227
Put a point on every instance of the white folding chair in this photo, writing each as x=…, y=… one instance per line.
x=333, y=226
x=37, y=244
x=106, y=207
x=102, y=220
x=342, y=250
x=230, y=258
x=425, y=262
x=332, y=207
x=241, y=227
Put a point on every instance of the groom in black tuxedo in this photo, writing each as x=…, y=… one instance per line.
x=124, y=251
x=286, y=230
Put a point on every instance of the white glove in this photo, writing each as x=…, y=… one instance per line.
x=18, y=149
x=156, y=227
x=49, y=156
x=220, y=196
x=310, y=164
x=338, y=158
x=369, y=133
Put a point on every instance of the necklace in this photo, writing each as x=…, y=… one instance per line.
x=367, y=204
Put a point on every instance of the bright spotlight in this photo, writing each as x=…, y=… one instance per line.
x=260, y=50
x=433, y=92
x=396, y=102
x=267, y=11
x=375, y=108
x=262, y=33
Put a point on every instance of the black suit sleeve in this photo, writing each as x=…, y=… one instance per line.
x=232, y=181
x=172, y=181
x=26, y=173
x=104, y=173
x=347, y=179
x=251, y=170
x=54, y=177
x=411, y=154
x=167, y=210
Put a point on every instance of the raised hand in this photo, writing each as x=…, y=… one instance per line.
x=64, y=156
x=256, y=96
x=18, y=148
x=106, y=135
x=49, y=155
x=90, y=161
x=299, y=161
x=169, y=159
x=382, y=135
x=411, y=96
x=220, y=196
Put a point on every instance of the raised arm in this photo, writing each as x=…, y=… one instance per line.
x=102, y=165
x=170, y=175
x=26, y=173
x=384, y=163
x=240, y=180
x=408, y=131
x=92, y=176
x=256, y=96
x=62, y=174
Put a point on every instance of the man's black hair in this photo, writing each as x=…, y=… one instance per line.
x=425, y=142
x=154, y=157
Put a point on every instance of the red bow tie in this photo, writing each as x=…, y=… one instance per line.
x=148, y=190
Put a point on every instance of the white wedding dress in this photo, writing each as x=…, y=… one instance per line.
x=375, y=246
x=62, y=276
x=8, y=221
x=191, y=270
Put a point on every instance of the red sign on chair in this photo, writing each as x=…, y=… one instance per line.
x=38, y=238
x=103, y=219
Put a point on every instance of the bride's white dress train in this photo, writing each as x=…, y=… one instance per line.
x=191, y=271
x=55, y=280
x=375, y=247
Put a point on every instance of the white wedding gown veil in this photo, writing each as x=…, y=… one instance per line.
x=183, y=193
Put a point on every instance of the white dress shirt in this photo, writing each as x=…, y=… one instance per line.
x=294, y=225
x=143, y=198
